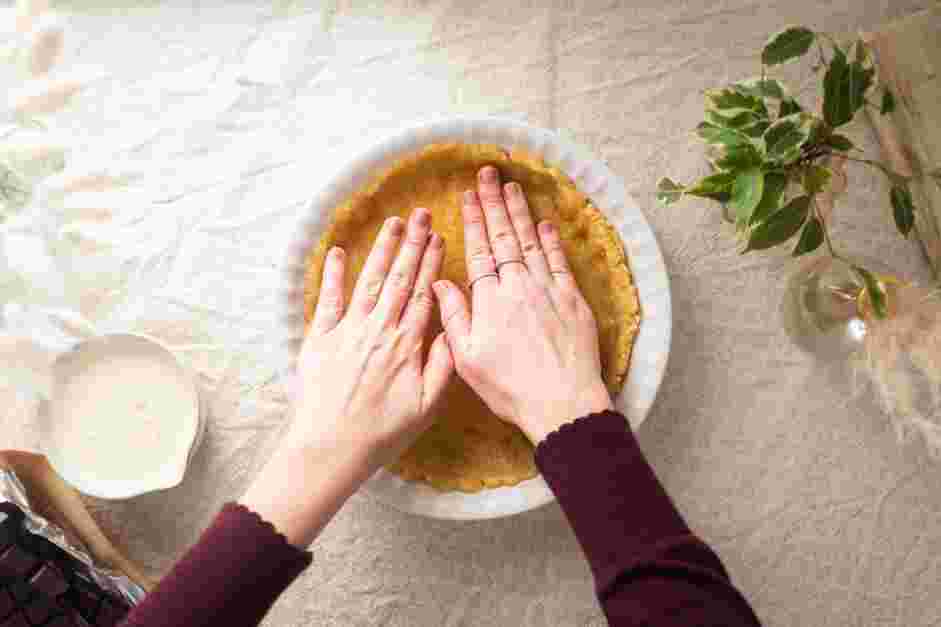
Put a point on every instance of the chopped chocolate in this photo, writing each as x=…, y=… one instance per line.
x=43, y=586
x=21, y=591
x=7, y=604
x=87, y=603
x=16, y=562
x=39, y=611
x=110, y=614
x=15, y=620
x=50, y=581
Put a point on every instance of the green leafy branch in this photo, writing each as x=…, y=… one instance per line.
x=770, y=156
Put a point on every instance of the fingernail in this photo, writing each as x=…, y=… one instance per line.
x=394, y=224
x=436, y=241
x=512, y=189
x=422, y=217
x=488, y=174
x=337, y=253
x=440, y=287
x=470, y=197
x=546, y=228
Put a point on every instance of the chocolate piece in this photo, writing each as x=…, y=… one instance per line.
x=110, y=614
x=7, y=604
x=87, y=603
x=39, y=611
x=20, y=591
x=50, y=581
x=16, y=562
x=15, y=620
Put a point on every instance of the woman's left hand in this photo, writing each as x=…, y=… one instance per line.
x=363, y=381
x=364, y=387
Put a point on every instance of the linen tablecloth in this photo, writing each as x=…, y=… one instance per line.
x=232, y=112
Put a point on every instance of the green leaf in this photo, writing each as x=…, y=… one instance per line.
x=713, y=134
x=760, y=88
x=757, y=129
x=775, y=183
x=732, y=118
x=903, y=208
x=816, y=178
x=888, y=102
x=668, y=191
x=844, y=88
x=874, y=290
x=713, y=185
x=731, y=99
x=784, y=136
x=739, y=158
x=746, y=193
x=781, y=226
x=839, y=142
x=811, y=237
x=788, y=44
x=788, y=107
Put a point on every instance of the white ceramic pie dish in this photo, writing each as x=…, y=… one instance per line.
x=593, y=177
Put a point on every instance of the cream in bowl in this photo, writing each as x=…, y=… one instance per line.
x=123, y=418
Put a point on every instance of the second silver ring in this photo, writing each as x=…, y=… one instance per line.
x=509, y=261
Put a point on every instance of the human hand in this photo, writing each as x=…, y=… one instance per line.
x=528, y=342
x=363, y=383
x=365, y=389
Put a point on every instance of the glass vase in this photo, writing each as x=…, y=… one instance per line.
x=822, y=307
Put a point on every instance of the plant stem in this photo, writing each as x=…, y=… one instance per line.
x=826, y=230
x=831, y=40
x=889, y=173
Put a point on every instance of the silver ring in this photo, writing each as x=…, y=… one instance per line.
x=503, y=263
x=470, y=285
x=558, y=272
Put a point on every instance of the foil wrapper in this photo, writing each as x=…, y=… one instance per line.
x=12, y=490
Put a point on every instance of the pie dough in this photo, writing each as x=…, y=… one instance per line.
x=469, y=448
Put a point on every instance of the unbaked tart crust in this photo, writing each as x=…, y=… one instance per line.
x=469, y=448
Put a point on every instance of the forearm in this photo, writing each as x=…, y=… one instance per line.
x=647, y=564
x=230, y=577
x=302, y=487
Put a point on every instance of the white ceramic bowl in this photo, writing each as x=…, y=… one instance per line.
x=606, y=191
x=137, y=479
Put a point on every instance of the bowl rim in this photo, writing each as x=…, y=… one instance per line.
x=115, y=489
x=651, y=347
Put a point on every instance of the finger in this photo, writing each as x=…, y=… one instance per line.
x=437, y=371
x=398, y=284
x=330, y=301
x=455, y=316
x=477, y=253
x=369, y=285
x=522, y=221
x=555, y=255
x=499, y=228
x=422, y=302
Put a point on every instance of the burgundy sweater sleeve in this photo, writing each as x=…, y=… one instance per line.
x=649, y=568
x=230, y=577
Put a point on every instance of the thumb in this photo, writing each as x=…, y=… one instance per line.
x=455, y=315
x=437, y=371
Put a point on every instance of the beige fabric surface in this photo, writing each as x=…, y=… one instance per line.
x=821, y=518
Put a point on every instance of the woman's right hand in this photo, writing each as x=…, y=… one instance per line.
x=528, y=343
